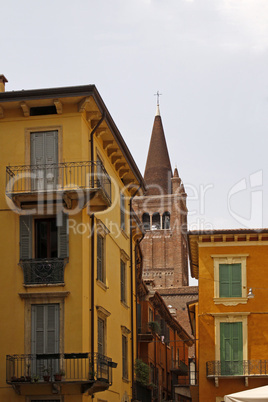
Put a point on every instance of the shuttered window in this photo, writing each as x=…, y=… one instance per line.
x=45, y=335
x=44, y=153
x=100, y=259
x=123, y=281
x=230, y=280
x=101, y=336
x=45, y=244
x=122, y=212
x=124, y=357
x=231, y=348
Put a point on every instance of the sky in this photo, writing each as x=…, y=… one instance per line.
x=208, y=59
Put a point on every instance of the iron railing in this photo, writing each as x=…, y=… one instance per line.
x=43, y=271
x=241, y=368
x=57, y=177
x=74, y=367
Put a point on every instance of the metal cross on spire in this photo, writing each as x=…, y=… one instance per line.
x=157, y=94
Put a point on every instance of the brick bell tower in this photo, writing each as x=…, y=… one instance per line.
x=163, y=212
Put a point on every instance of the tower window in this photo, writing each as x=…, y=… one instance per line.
x=156, y=221
x=146, y=221
x=166, y=220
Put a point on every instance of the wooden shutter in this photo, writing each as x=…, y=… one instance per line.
x=45, y=328
x=26, y=237
x=139, y=318
x=231, y=347
x=236, y=285
x=124, y=357
x=100, y=336
x=230, y=280
x=122, y=211
x=63, y=237
x=123, y=280
x=100, y=256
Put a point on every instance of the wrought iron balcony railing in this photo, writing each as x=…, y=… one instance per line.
x=244, y=368
x=90, y=371
x=57, y=178
x=43, y=271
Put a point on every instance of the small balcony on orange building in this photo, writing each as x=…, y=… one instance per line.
x=146, y=333
x=179, y=367
x=237, y=369
x=73, y=184
x=56, y=373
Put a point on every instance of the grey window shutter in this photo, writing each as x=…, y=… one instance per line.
x=45, y=328
x=63, y=238
x=52, y=328
x=26, y=237
x=100, y=336
x=37, y=149
x=51, y=147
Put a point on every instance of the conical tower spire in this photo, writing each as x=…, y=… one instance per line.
x=158, y=171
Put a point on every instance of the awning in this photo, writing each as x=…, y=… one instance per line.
x=251, y=395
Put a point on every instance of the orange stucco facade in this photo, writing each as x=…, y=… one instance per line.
x=208, y=252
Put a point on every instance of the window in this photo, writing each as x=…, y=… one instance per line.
x=230, y=279
x=101, y=336
x=124, y=357
x=122, y=212
x=151, y=315
x=156, y=221
x=231, y=348
x=100, y=259
x=166, y=220
x=231, y=341
x=123, y=281
x=50, y=238
x=146, y=221
x=43, y=249
x=44, y=155
x=45, y=335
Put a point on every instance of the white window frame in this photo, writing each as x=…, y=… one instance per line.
x=230, y=259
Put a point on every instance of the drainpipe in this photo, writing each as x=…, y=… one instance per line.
x=92, y=216
x=131, y=290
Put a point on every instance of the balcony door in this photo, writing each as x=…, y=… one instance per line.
x=44, y=160
x=45, y=338
x=231, y=348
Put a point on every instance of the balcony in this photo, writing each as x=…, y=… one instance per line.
x=244, y=368
x=145, y=333
x=50, y=373
x=179, y=367
x=73, y=184
x=43, y=271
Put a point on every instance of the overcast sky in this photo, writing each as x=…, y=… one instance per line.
x=208, y=58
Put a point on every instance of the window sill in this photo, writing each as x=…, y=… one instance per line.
x=230, y=301
x=102, y=284
x=124, y=304
x=126, y=380
x=123, y=232
x=43, y=285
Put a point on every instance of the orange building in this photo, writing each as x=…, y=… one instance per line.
x=232, y=316
x=163, y=346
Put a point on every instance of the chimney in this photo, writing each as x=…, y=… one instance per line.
x=3, y=81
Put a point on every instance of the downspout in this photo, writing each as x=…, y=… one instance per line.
x=131, y=290
x=92, y=216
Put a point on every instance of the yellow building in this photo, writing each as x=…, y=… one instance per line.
x=67, y=307
x=231, y=266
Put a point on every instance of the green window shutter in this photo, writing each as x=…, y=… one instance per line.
x=26, y=237
x=236, y=284
x=224, y=276
x=231, y=348
x=63, y=237
x=230, y=280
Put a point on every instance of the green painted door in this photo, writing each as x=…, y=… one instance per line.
x=231, y=348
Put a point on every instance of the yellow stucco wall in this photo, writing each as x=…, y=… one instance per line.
x=77, y=276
